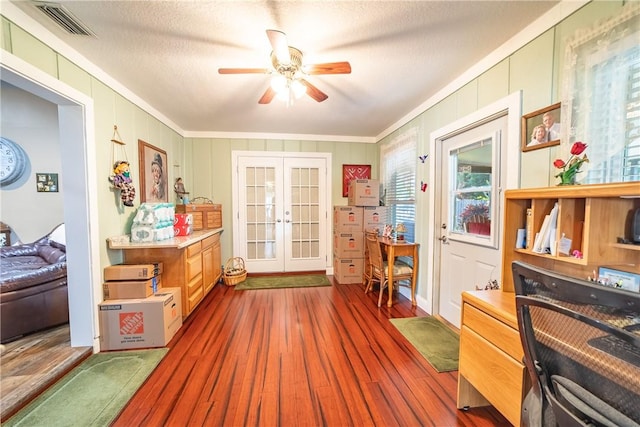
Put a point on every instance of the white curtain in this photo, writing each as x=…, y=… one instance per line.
x=601, y=105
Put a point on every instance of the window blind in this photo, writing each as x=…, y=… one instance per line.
x=398, y=164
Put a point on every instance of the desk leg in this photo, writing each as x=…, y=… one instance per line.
x=391, y=258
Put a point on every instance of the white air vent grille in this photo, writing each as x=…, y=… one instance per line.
x=64, y=18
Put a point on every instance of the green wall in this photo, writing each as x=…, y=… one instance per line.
x=204, y=163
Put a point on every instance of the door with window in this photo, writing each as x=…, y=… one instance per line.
x=281, y=205
x=470, y=213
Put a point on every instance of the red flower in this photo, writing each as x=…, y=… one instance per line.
x=578, y=147
x=559, y=163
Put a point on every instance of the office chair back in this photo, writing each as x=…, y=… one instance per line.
x=582, y=348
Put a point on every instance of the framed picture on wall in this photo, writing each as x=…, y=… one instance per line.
x=541, y=128
x=153, y=173
x=350, y=172
x=47, y=182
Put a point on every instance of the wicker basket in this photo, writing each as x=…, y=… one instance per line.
x=234, y=271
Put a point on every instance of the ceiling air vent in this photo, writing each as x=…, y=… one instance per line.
x=64, y=18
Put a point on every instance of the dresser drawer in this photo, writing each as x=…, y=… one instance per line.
x=501, y=335
x=194, y=267
x=495, y=374
x=194, y=249
x=209, y=241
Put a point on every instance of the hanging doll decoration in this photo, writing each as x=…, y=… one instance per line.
x=121, y=179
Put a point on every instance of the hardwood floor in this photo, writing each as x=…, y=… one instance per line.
x=31, y=364
x=325, y=356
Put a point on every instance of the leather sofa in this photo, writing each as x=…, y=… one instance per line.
x=33, y=286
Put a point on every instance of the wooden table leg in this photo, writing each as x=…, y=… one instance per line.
x=391, y=258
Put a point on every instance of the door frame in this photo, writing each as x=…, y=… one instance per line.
x=510, y=105
x=236, y=154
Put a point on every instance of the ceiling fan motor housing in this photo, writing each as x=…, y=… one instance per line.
x=294, y=65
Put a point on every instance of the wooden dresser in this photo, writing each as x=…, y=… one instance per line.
x=592, y=217
x=192, y=263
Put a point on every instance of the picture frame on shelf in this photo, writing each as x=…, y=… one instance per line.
x=153, y=173
x=47, y=182
x=351, y=172
x=541, y=128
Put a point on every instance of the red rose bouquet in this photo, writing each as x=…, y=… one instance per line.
x=571, y=167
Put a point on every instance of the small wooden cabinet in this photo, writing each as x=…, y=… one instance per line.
x=206, y=216
x=192, y=263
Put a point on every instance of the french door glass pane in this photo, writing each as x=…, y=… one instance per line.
x=260, y=213
x=305, y=230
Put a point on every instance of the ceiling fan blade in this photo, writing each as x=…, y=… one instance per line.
x=278, y=41
x=314, y=92
x=328, y=68
x=243, y=70
x=268, y=96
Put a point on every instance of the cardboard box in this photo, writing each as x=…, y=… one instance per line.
x=364, y=192
x=182, y=219
x=374, y=217
x=140, y=323
x=182, y=230
x=132, y=271
x=347, y=218
x=348, y=244
x=130, y=289
x=347, y=271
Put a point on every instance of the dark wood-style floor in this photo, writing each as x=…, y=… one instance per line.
x=325, y=356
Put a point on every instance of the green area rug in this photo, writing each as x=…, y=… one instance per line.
x=273, y=282
x=433, y=339
x=93, y=393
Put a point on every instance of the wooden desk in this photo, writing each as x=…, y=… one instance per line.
x=393, y=249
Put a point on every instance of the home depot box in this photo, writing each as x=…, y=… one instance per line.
x=129, y=289
x=364, y=192
x=348, y=244
x=132, y=271
x=142, y=322
x=374, y=217
x=348, y=270
x=347, y=218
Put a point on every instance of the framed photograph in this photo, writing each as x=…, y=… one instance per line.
x=350, y=172
x=541, y=128
x=47, y=182
x=153, y=173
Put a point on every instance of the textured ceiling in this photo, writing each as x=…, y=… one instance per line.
x=401, y=53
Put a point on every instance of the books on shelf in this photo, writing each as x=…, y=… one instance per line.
x=529, y=229
x=546, y=238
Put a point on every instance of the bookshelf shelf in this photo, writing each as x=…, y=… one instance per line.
x=591, y=216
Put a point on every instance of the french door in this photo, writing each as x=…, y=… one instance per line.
x=282, y=215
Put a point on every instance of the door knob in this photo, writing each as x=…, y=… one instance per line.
x=443, y=239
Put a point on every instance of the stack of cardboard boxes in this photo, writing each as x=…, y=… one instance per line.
x=349, y=225
x=137, y=312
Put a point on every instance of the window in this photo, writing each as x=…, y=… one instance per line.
x=398, y=177
x=603, y=97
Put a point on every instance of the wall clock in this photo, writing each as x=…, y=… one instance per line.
x=13, y=162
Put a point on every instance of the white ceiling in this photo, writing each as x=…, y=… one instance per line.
x=401, y=54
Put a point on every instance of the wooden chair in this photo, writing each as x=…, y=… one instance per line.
x=379, y=268
x=366, y=275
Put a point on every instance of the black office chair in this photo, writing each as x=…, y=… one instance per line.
x=581, y=344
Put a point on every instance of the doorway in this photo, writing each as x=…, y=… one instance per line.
x=281, y=200
x=75, y=118
x=454, y=146
x=469, y=208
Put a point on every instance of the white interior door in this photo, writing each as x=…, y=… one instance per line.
x=282, y=213
x=470, y=214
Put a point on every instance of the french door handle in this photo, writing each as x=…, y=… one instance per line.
x=443, y=239
x=278, y=220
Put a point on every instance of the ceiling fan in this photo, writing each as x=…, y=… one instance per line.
x=289, y=71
